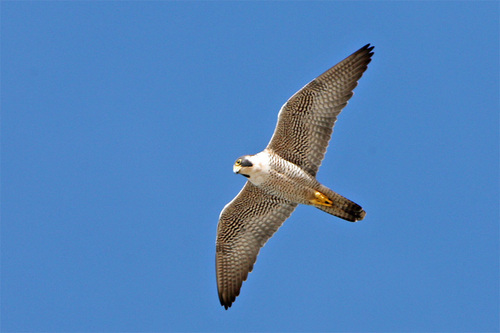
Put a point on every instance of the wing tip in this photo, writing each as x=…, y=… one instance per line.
x=366, y=51
x=368, y=47
x=226, y=303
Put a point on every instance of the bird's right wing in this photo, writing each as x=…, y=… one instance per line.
x=245, y=225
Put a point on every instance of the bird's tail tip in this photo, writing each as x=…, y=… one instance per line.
x=342, y=207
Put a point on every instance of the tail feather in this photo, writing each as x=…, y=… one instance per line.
x=342, y=207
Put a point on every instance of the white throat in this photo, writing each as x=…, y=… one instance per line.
x=259, y=172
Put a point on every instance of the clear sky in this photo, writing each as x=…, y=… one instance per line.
x=120, y=124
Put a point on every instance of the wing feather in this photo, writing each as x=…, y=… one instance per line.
x=245, y=225
x=306, y=120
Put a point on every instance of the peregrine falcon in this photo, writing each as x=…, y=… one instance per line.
x=284, y=174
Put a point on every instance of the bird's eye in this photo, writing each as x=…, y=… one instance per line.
x=238, y=162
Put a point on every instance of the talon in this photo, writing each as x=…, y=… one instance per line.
x=321, y=199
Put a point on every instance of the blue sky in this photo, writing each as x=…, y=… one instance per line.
x=120, y=124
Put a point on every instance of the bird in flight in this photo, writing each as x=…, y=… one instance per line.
x=284, y=174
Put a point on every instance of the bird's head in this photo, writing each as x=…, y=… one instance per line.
x=243, y=166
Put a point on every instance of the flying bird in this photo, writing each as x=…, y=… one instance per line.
x=284, y=174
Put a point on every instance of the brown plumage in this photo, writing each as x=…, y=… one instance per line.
x=284, y=174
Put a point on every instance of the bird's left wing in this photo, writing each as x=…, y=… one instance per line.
x=245, y=225
x=305, y=122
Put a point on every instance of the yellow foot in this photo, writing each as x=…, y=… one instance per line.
x=321, y=199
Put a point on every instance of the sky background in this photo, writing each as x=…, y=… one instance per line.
x=120, y=124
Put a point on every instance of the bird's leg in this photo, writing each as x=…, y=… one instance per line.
x=321, y=199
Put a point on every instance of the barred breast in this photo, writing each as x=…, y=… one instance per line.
x=288, y=181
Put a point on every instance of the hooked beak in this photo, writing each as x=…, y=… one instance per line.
x=236, y=168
